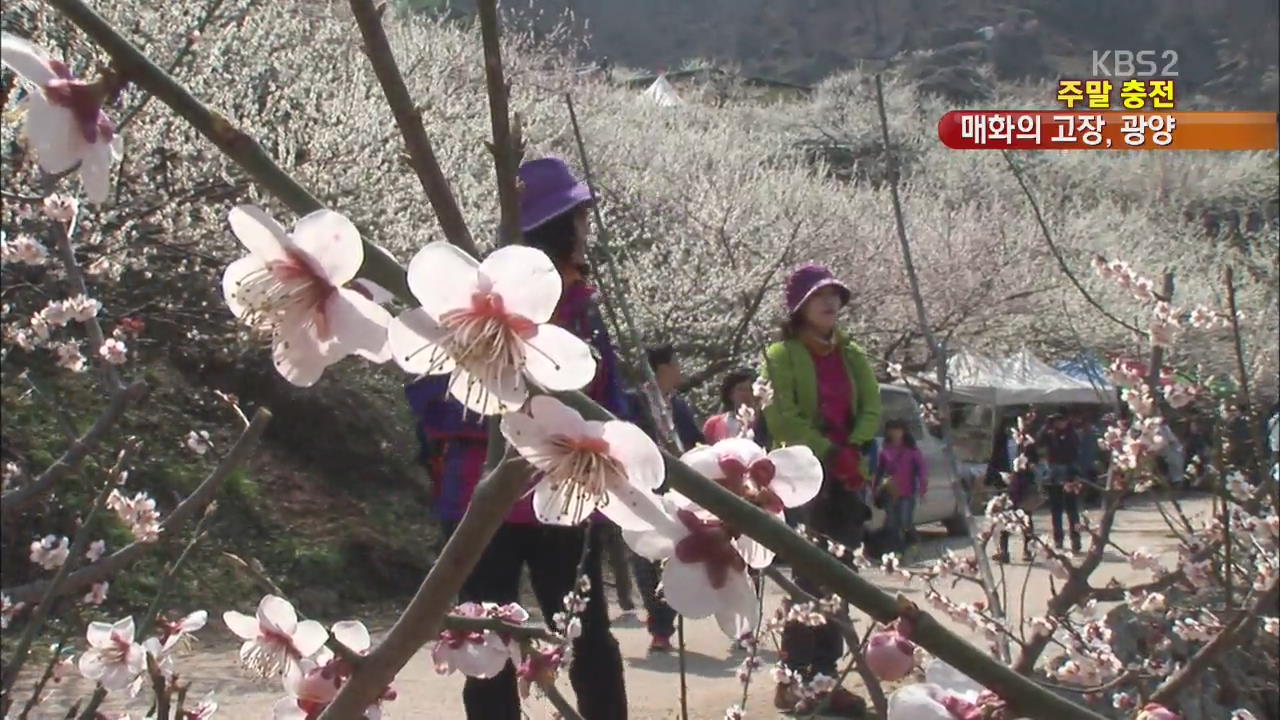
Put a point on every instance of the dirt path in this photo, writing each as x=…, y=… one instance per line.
x=653, y=683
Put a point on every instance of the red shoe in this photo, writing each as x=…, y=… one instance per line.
x=659, y=643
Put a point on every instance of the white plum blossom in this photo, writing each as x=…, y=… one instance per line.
x=291, y=287
x=139, y=513
x=787, y=477
x=65, y=123
x=586, y=465
x=113, y=658
x=50, y=552
x=23, y=249
x=8, y=609
x=82, y=308
x=275, y=641
x=95, y=551
x=315, y=682
x=69, y=356
x=198, y=442
x=113, y=351
x=488, y=326
x=478, y=654
x=705, y=573
x=56, y=313
x=97, y=593
x=945, y=694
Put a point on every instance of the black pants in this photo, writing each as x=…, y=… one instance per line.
x=1026, y=538
x=840, y=514
x=1061, y=501
x=552, y=554
x=661, y=620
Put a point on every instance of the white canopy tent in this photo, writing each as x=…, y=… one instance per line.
x=661, y=93
x=1020, y=379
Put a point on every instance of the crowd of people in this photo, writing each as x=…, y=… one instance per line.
x=825, y=396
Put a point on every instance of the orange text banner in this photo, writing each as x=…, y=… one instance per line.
x=1050, y=130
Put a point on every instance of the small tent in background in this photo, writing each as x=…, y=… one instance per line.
x=662, y=94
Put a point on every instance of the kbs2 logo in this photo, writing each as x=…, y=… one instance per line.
x=1135, y=63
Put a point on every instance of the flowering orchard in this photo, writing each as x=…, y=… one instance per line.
x=111, y=149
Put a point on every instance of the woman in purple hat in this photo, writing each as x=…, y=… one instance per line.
x=555, y=218
x=825, y=396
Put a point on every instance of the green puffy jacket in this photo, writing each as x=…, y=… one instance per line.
x=793, y=418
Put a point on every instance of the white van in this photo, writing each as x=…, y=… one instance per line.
x=940, y=502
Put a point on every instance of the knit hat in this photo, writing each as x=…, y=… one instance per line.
x=809, y=279
x=548, y=189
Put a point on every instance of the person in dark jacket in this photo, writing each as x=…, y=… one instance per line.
x=666, y=418
x=1060, y=446
x=555, y=218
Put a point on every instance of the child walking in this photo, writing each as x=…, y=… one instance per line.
x=902, y=476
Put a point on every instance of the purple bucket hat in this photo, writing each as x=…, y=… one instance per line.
x=548, y=189
x=809, y=279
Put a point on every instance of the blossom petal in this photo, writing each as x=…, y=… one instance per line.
x=526, y=279
x=651, y=544
x=918, y=701
x=705, y=460
x=118, y=675
x=259, y=233
x=414, y=337
x=242, y=625
x=755, y=554
x=54, y=134
x=359, y=325
x=193, y=622
x=353, y=634
x=688, y=589
x=482, y=660
x=529, y=438
x=443, y=278
x=557, y=418
x=95, y=171
x=638, y=454
x=331, y=243
x=299, y=356
x=550, y=507
x=798, y=475
x=233, y=276
x=309, y=637
x=99, y=634
x=739, y=611
x=26, y=59
x=286, y=708
x=631, y=508
x=124, y=628
x=557, y=359
x=91, y=665
x=504, y=389
x=277, y=614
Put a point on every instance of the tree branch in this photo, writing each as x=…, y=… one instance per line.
x=137, y=68
x=193, y=503
x=506, y=147
x=1057, y=254
x=423, y=618
x=1263, y=603
x=422, y=156
x=19, y=498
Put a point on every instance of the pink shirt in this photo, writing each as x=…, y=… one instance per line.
x=835, y=395
x=905, y=465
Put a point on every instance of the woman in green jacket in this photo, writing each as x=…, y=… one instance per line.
x=825, y=396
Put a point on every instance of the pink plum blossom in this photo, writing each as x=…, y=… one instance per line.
x=274, y=640
x=23, y=249
x=113, y=351
x=488, y=326
x=291, y=287
x=946, y=694
x=705, y=573
x=8, y=609
x=97, y=593
x=786, y=477
x=50, y=552
x=95, y=551
x=139, y=513
x=479, y=654
x=1156, y=711
x=113, y=658
x=538, y=667
x=65, y=122
x=315, y=682
x=586, y=465
x=890, y=656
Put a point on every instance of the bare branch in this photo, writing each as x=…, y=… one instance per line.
x=193, y=503
x=422, y=156
x=505, y=148
x=19, y=498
